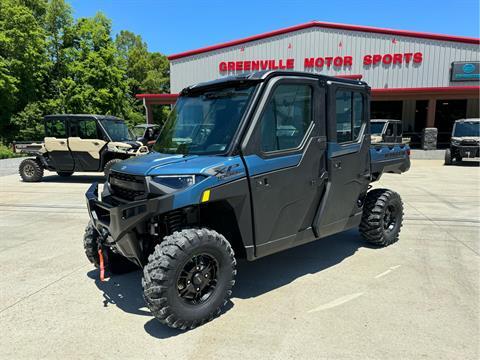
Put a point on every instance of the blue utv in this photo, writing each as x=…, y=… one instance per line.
x=244, y=166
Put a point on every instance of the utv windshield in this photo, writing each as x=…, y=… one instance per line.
x=204, y=123
x=376, y=128
x=116, y=129
x=463, y=129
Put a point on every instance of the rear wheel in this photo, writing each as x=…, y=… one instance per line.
x=31, y=170
x=65, y=173
x=448, y=157
x=115, y=263
x=189, y=278
x=382, y=217
x=108, y=166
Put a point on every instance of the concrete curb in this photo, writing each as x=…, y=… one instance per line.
x=427, y=154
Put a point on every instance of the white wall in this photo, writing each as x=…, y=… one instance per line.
x=433, y=71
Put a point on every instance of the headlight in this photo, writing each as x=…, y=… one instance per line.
x=455, y=142
x=177, y=181
x=123, y=148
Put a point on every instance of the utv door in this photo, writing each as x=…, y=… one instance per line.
x=348, y=159
x=285, y=158
x=85, y=144
x=57, y=145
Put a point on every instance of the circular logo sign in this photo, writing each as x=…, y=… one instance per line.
x=468, y=68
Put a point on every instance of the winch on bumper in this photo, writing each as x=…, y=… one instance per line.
x=116, y=223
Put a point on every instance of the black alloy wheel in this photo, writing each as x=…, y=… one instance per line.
x=198, y=279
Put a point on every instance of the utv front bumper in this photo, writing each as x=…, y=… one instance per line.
x=116, y=224
x=463, y=151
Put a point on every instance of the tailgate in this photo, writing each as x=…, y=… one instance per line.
x=389, y=158
x=28, y=147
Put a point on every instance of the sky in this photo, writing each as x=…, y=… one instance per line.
x=171, y=27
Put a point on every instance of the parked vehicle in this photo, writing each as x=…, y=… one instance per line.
x=78, y=143
x=386, y=130
x=147, y=134
x=465, y=141
x=266, y=162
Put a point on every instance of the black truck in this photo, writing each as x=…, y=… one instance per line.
x=245, y=166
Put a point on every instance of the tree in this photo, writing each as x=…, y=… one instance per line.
x=50, y=63
x=23, y=58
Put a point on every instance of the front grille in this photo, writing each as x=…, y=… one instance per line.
x=126, y=186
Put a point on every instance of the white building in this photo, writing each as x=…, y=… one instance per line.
x=427, y=80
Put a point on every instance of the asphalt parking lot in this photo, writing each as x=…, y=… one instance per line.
x=334, y=298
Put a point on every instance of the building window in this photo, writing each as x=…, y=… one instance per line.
x=386, y=109
x=287, y=117
x=349, y=114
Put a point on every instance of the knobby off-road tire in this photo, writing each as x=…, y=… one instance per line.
x=448, y=157
x=382, y=217
x=65, y=173
x=189, y=278
x=108, y=166
x=115, y=263
x=31, y=170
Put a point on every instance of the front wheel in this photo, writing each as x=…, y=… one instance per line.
x=115, y=263
x=448, y=157
x=189, y=278
x=31, y=170
x=382, y=217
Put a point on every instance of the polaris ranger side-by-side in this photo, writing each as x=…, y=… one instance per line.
x=244, y=167
x=78, y=143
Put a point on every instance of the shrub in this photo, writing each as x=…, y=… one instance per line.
x=7, y=152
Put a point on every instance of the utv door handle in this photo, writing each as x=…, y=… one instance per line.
x=263, y=182
x=337, y=165
x=62, y=142
x=96, y=143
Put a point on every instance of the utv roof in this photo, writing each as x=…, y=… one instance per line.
x=82, y=116
x=261, y=76
x=468, y=120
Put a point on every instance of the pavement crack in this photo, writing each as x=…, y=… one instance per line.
x=42, y=288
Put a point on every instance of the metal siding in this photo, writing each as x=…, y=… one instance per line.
x=434, y=71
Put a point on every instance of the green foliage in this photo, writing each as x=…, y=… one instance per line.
x=50, y=63
x=6, y=152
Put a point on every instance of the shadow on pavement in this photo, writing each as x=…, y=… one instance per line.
x=253, y=278
x=74, y=179
x=467, y=163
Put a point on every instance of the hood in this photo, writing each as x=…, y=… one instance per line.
x=158, y=164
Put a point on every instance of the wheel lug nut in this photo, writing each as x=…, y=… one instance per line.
x=198, y=289
x=206, y=275
x=188, y=282
x=198, y=267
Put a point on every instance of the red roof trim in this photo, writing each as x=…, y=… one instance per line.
x=445, y=89
x=378, y=91
x=371, y=29
x=156, y=96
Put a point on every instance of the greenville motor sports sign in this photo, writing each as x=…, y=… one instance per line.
x=320, y=62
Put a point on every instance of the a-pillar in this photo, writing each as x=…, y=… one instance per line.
x=431, y=113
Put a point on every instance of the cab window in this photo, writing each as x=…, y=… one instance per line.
x=349, y=108
x=55, y=128
x=287, y=117
x=87, y=129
